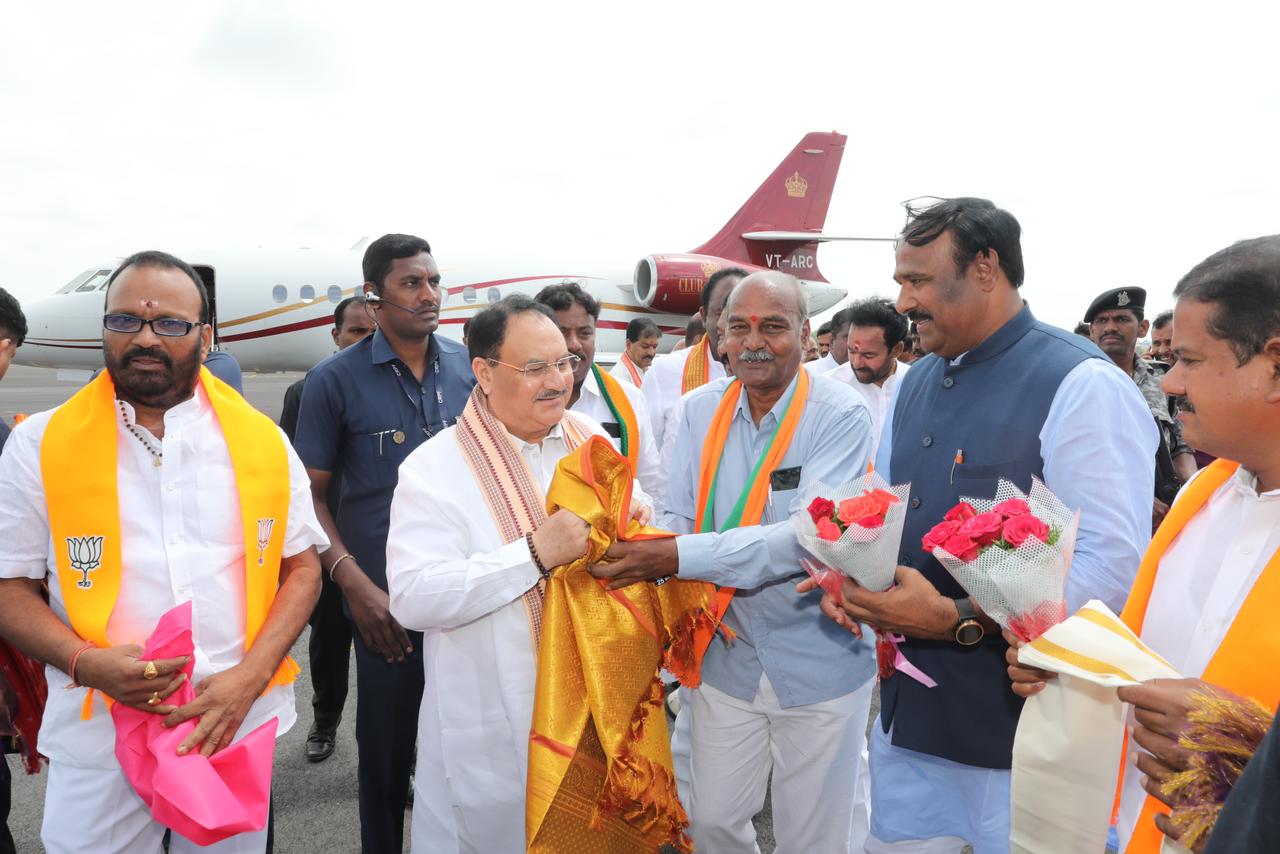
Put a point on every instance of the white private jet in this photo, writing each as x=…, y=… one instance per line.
x=272, y=309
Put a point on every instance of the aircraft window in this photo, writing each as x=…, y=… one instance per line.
x=307, y=293
x=97, y=280
x=494, y=295
x=279, y=293
x=468, y=294
x=335, y=294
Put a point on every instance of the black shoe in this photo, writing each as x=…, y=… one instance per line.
x=320, y=744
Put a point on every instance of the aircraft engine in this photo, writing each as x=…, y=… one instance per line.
x=673, y=283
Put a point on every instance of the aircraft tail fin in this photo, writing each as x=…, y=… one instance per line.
x=771, y=228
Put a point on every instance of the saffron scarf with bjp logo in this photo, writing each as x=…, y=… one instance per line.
x=600, y=774
x=749, y=508
x=79, y=467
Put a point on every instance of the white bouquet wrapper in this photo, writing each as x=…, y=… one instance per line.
x=1024, y=589
x=867, y=555
x=1066, y=753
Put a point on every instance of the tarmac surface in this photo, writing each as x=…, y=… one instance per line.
x=315, y=804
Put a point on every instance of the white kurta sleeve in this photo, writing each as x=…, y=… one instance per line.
x=24, y=521
x=437, y=576
x=1099, y=446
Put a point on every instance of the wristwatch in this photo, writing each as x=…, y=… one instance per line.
x=968, y=631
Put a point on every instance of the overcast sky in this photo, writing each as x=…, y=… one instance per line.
x=1130, y=140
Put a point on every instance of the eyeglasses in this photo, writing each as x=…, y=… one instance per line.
x=538, y=370
x=168, y=327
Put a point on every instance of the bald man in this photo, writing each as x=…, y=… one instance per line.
x=791, y=696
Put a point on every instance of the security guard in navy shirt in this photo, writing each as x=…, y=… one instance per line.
x=364, y=410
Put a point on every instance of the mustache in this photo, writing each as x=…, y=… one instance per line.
x=147, y=353
x=915, y=315
x=756, y=356
x=1184, y=405
x=549, y=395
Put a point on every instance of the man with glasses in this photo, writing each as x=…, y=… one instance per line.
x=468, y=549
x=1116, y=323
x=153, y=486
x=363, y=411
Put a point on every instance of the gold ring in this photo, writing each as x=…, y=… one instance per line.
x=154, y=699
x=150, y=672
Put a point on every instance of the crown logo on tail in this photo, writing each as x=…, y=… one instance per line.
x=86, y=556
x=264, y=536
x=709, y=268
x=797, y=186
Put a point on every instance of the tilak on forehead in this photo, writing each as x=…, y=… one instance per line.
x=150, y=303
x=755, y=318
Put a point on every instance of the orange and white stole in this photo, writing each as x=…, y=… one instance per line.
x=78, y=463
x=749, y=508
x=696, y=367
x=510, y=492
x=1239, y=664
x=633, y=370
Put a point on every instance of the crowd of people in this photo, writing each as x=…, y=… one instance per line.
x=402, y=511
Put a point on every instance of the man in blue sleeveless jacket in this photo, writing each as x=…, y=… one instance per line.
x=1001, y=396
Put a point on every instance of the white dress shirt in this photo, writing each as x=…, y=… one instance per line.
x=1098, y=443
x=1202, y=582
x=878, y=397
x=620, y=372
x=451, y=577
x=663, y=384
x=181, y=539
x=823, y=365
x=649, y=472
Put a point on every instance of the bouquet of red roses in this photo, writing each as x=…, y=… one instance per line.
x=855, y=530
x=1011, y=554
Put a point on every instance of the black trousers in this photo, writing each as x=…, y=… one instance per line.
x=329, y=649
x=387, y=701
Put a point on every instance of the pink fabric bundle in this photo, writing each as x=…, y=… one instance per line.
x=204, y=799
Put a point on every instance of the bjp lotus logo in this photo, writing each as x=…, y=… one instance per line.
x=86, y=555
x=264, y=536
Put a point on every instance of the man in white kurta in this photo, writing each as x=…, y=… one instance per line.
x=452, y=577
x=576, y=314
x=876, y=338
x=664, y=384
x=181, y=540
x=1213, y=565
x=643, y=338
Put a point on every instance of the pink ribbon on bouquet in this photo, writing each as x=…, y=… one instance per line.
x=205, y=799
x=906, y=668
x=831, y=582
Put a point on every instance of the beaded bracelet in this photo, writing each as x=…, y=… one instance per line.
x=537, y=561
x=75, y=657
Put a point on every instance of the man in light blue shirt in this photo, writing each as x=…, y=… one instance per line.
x=790, y=696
